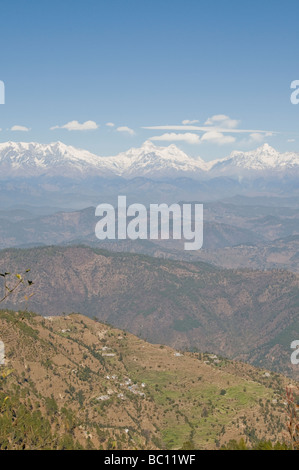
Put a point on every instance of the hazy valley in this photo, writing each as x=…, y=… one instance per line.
x=258, y=233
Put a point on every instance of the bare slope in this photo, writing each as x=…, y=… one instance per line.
x=248, y=315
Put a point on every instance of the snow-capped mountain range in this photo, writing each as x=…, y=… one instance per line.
x=24, y=160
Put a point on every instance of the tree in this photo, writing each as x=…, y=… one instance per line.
x=12, y=282
x=234, y=445
x=293, y=416
x=189, y=445
x=11, y=286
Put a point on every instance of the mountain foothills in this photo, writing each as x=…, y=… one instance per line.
x=63, y=176
x=238, y=232
x=69, y=382
x=240, y=314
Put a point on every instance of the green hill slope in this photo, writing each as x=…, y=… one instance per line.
x=71, y=382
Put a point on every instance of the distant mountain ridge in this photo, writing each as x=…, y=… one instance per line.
x=27, y=160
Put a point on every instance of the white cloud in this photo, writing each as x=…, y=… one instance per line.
x=110, y=124
x=291, y=140
x=76, y=126
x=217, y=138
x=255, y=137
x=20, y=129
x=188, y=137
x=125, y=130
x=187, y=122
x=208, y=129
x=222, y=120
x=219, y=129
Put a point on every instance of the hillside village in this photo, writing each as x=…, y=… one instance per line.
x=77, y=383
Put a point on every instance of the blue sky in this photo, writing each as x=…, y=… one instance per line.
x=141, y=65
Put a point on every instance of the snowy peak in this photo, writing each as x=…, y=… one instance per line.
x=266, y=148
x=25, y=159
x=157, y=162
x=262, y=159
x=57, y=159
x=263, y=156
